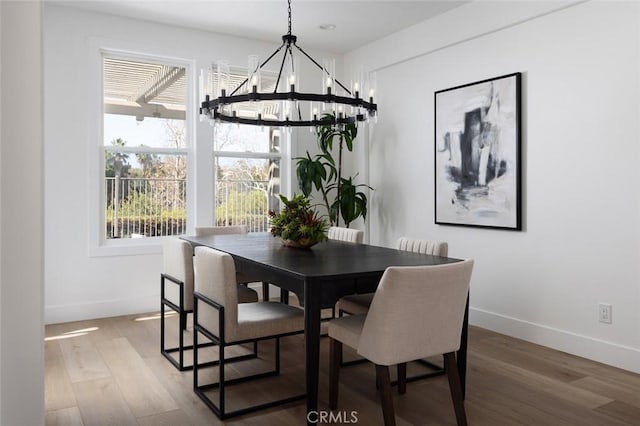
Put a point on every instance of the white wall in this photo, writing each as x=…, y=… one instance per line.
x=21, y=198
x=581, y=240
x=77, y=285
x=1, y=139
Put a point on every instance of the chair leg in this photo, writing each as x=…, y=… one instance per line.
x=161, y=327
x=221, y=380
x=451, y=367
x=335, y=352
x=195, y=347
x=402, y=378
x=277, y=355
x=183, y=320
x=265, y=291
x=386, y=399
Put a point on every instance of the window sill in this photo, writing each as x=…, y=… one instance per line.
x=127, y=247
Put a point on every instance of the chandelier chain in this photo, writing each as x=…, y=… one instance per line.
x=289, y=11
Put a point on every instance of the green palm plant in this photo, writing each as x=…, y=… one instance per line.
x=117, y=163
x=340, y=196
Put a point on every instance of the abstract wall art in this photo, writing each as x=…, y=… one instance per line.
x=477, y=154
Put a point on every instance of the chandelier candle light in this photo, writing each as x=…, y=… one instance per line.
x=346, y=108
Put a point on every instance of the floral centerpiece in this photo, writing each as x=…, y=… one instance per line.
x=297, y=224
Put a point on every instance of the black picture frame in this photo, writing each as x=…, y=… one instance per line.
x=477, y=154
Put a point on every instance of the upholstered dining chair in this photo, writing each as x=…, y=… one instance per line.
x=345, y=234
x=221, y=320
x=177, y=259
x=356, y=304
x=349, y=235
x=202, y=231
x=416, y=312
x=338, y=234
x=242, y=279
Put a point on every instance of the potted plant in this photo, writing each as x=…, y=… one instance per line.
x=297, y=224
x=341, y=196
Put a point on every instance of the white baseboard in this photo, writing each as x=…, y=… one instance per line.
x=108, y=308
x=609, y=353
x=111, y=308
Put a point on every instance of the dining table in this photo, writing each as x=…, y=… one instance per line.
x=320, y=276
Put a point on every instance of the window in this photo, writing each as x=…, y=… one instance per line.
x=247, y=161
x=144, y=153
x=148, y=165
x=247, y=182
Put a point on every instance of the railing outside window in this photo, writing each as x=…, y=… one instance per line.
x=154, y=207
x=243, y=203
x=145, y=207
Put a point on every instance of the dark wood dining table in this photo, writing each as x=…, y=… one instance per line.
x=319, y=277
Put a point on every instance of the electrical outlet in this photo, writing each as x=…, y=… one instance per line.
x=604, y=313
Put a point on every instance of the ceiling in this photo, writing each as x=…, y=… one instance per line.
x=357, y=22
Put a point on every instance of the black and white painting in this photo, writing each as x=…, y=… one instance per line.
x=477, y=154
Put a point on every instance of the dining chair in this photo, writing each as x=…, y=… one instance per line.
x=336, y=233
x=177, y=259
x=349, y=235
x=416, y=312
x=222, y=321
x=357, y=304
x=345, y=234
x=243, y=279
x=177, y=263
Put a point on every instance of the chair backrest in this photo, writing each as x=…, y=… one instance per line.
x=345, y=234
x=436, y=248
x=202, y=231
x=177, y=261
x=416, y=312
x=215, y=278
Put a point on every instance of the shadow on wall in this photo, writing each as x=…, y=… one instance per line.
x=386, y=197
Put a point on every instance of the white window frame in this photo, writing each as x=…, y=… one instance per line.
x=99, y=245
x=284, y=156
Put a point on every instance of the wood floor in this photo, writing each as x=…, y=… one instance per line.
x=110, y=372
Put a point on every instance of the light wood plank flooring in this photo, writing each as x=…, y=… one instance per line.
x=110, y=372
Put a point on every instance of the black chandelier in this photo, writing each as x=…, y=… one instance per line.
x=349, y=108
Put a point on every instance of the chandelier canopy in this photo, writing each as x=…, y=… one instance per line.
x=326, y=108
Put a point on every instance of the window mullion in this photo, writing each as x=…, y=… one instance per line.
x=145, y=150
x=245, y=154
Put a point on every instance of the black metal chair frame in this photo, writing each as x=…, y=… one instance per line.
x=220, y=410
x=181, y=348
x=437, y=370
x=164, y=302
